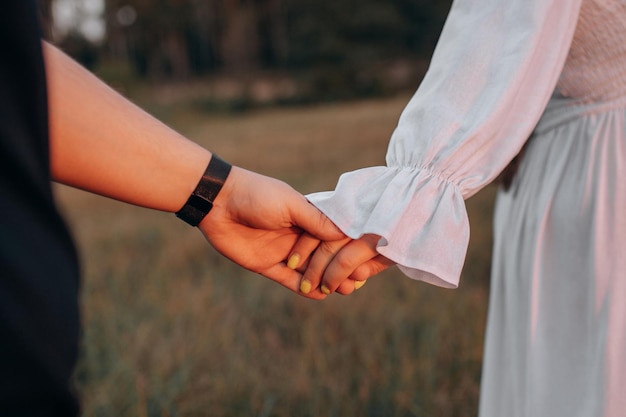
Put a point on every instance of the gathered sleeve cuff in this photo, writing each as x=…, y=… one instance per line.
x=420, y=217
x=493, y=71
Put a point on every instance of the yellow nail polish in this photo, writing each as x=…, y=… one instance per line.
x=325, y=290
x=294, y=261
x=359, y=284
x=305, y=286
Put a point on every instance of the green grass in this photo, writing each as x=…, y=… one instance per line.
x=173, y=329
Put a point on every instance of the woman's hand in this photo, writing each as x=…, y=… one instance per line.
x=341, y=265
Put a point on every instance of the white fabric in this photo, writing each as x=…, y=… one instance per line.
x=556, y=335
x=491, y=75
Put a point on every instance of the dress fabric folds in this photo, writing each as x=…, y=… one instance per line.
x=549, y=75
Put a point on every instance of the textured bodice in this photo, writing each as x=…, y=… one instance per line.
x=595, y=69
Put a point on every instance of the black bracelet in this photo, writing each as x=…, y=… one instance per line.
x=200, y=202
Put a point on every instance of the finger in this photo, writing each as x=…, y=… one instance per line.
x=302, y=249
x=350, y=285
x=371, y=268
x=318, y=262
x=306, y=216
x=290, y=279
x=350, y=257
x=347, y=287
x=363, y=273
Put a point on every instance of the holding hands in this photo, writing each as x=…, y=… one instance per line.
x=258, y=223
x=341, y=265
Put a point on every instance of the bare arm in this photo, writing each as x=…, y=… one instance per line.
x=102, y=143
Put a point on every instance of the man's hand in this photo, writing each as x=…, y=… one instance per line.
x=255, y=222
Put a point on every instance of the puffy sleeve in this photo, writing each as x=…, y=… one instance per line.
x=492, y=73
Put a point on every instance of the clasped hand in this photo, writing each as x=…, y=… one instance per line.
x=267, y=227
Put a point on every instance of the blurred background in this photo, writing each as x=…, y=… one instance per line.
x=301, y=90
x=275, y=51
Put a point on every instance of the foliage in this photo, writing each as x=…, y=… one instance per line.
x=360, y=31
x=179, y=39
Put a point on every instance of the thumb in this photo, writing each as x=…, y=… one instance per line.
x=307, y=217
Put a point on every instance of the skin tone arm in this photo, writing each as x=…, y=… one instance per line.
x=102, y=143
x=342, y=265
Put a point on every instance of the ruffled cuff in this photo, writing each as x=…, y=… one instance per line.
x=420, y=217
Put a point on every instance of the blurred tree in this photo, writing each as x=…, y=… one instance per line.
x=337, y=31
x=340, y=42
x=239, y=37
x=334, y=41
x=71, y=39
x=273, y=34
x=152, y=33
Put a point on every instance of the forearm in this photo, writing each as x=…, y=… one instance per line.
x=101, y=142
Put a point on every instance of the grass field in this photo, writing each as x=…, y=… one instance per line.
x=173, y=329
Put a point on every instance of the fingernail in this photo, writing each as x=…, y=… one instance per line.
x=359, y=284
x=293, y=261
x=325, y=290
x=305, y=286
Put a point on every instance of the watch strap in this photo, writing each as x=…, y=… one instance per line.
x=201, y=200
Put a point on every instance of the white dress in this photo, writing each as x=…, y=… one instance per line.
x=553, y=71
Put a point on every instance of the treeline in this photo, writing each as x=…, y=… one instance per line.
x=335, y=41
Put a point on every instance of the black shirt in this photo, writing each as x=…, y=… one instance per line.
x=38, y=266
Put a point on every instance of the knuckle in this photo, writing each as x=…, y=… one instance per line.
x=343, y=262
x=327, y=250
